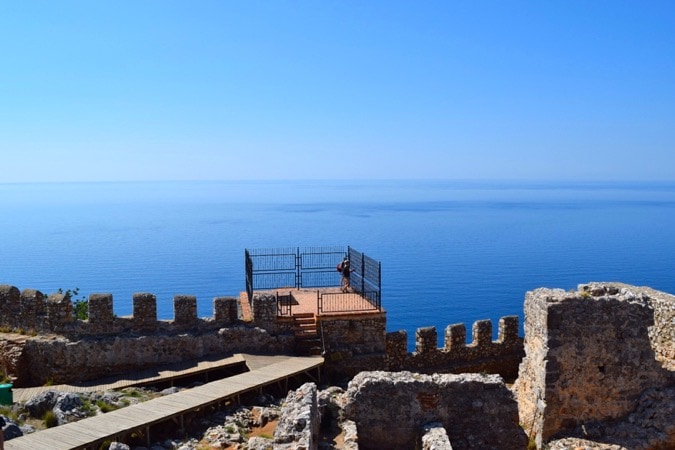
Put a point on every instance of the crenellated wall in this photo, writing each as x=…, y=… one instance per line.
x=59, y=348
x=49, y=345
x=354, y=343
x=481, y=355
x=33, y=312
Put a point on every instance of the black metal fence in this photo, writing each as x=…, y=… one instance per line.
x=312, y=267
x=366, y=279
x=329, y=302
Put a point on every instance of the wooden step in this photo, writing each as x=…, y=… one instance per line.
x=303, y=315
x=305, y=322
x=305, y=333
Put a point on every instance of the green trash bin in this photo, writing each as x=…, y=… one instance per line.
x=6, y=396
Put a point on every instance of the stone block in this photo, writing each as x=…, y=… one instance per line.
x=101, y=308
x=185, y=310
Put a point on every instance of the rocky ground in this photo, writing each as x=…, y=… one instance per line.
x=248, y=427
x=252, y=427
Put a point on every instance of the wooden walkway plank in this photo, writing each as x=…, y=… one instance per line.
x=139, y=378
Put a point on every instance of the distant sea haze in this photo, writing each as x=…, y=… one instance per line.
x=451, y=251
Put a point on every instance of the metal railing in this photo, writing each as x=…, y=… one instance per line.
x=285, y=305
x=335, y=302
x=313, y=267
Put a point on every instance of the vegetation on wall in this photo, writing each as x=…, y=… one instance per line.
x=80, y=305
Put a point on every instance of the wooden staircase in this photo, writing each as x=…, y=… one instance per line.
x=307, y=339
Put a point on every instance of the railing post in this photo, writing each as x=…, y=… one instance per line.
x=248, y=263
x=363, y=273
x=298, y=264
x=379, y=285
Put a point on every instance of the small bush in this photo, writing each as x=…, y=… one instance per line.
x=50, y=420
x=105, y=407
x=131, y=392
x=80, y=305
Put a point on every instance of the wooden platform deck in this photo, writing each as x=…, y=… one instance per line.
x=91, y=432
x=306, y=301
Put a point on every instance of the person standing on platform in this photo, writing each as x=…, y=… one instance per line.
x=346, y=271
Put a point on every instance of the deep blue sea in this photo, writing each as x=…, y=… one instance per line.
x=450, y=251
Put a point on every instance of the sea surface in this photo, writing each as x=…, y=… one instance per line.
x=451, y=251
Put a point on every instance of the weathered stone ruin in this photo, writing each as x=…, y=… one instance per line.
x=392, y=409
x=591, y=357
x=599, y=373
x=298, y=427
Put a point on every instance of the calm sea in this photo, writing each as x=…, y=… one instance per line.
x=450, y=251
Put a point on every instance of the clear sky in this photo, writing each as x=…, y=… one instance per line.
x=190, y=90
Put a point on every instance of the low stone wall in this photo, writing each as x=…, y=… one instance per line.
x=390, y=410
x=41, y=359
x=590, y=354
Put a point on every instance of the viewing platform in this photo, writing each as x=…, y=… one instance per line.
x=309, y=280
x=319, y=302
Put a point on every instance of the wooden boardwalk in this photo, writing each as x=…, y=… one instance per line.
x=91, y=432
x=139, y=378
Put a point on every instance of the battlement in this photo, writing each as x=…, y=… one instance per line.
x=351, y=342
x=482, y=354
x=32, y=310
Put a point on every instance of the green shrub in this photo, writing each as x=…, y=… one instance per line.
x=105, y=407
x=50, y=420
x=80, y=305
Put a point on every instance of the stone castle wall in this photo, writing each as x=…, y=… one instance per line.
x=52, y=346
x=591, y=353
x=358, y=343
x=33, y=312
x=502, y=356
x=106, y=344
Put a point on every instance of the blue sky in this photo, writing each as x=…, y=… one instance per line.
x=192, y=90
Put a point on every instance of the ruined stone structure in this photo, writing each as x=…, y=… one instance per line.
x=592, y=354
x=392, y=409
